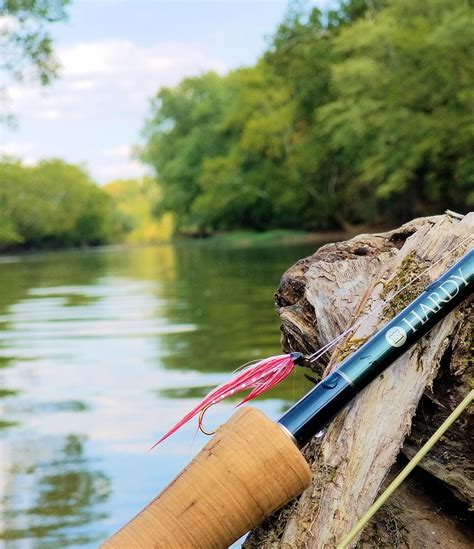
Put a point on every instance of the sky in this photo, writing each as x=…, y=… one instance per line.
x=115, y=55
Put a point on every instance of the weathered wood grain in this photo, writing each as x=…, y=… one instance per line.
x=318, y=298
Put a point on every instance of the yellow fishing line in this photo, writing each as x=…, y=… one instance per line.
x=407, y=470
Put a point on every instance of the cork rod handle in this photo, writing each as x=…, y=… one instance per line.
x=249, y=469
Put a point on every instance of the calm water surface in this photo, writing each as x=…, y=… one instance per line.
x=102, y=351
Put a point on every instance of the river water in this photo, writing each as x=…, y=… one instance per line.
x=101, y=351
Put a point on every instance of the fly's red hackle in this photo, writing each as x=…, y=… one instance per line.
x=258, y=377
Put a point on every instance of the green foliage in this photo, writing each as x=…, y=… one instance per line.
x=52, y=204
x=401, y=120
x=135, y=212
x=26, y=45
x=359, y=115
x=189, y=119
x=25, y=42
x=240, y=188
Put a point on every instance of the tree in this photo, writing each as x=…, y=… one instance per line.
x=136, y=214
x=24, y=37
x=184, y=129
x=359, y=115
x=401, y=120
x=241, y=188
x=51, y=204
x=25, y=42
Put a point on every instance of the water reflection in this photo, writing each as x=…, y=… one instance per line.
x=100, y=352
x=52, y=494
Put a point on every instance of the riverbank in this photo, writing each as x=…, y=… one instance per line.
x=262, y=238
x=234, y=239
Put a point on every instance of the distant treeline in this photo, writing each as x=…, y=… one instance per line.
x=361, y=115
x=55, y=204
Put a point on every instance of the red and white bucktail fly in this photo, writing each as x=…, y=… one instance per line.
x=259, y=377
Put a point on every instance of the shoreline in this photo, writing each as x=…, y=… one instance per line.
x=231, y=238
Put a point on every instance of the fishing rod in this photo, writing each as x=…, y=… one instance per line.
x=253, y=466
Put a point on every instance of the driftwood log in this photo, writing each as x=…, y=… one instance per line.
x=318, y=298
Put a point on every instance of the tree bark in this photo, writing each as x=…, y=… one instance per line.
x=318, y=298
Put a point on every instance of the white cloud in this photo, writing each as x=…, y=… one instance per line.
x=49, y=114
x=120, y=170
x=103, y=75
x=15, y=149
x=24, y=151
x=120, y=164
x=113, y=57
x=8, y=24
x=19, y=94
x=123, y=57
x=122, y=151
x=82, y=85
x=101, y=100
